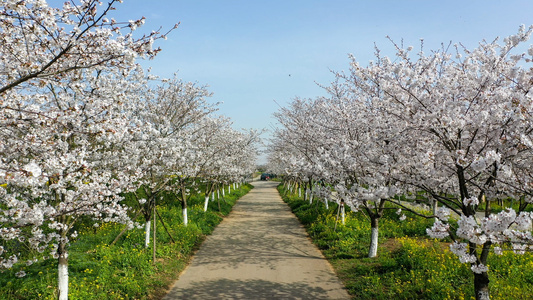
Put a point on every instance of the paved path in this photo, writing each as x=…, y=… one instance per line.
x=260, y=251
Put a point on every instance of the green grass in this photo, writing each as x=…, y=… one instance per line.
x=409, y=265
x=124, y=270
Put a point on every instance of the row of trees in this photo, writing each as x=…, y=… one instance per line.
x=454, y=125
x=81, y=123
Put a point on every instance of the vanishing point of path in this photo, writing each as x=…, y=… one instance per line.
x=260, y=251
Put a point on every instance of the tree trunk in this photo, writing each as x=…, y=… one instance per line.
x=481, y=286
x=206, y=202
x=147, y=234
x=207, y=192
x=184, y=205
x=343, y=214
x=326, y=202
x=337, y=218
x=481, y=281
x=62, y=271
x=374, y=229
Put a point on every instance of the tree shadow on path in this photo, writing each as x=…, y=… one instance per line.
x=237, y=289
x=261, y=231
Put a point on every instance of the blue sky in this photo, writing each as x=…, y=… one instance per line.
x=245, y=50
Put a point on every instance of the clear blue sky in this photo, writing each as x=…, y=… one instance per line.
x=246, y=49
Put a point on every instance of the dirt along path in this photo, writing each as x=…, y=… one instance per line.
x=260, y=251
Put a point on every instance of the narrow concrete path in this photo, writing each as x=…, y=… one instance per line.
x=260, y=251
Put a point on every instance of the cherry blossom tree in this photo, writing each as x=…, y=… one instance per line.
x=299, y=140
x=39, y=41
x=213, y=141
x=227, y=155
x=171, y=113
x=455, y=123
x=350, y=152
x=462, y=119
x=66, y=78
x=182, y=143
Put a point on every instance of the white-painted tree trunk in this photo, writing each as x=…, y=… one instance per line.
x=300, y=192
x=213, y=196
x=62, y=279
x=147, y=234
x=483, y=295
x=206, y=202
x=310, y=196
x=229, y=188
x=218, y=194
x=185, y=217
x=343, y=215
x=223, y=192
x=326, y=202
x=234, y=186
x=374, y=234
